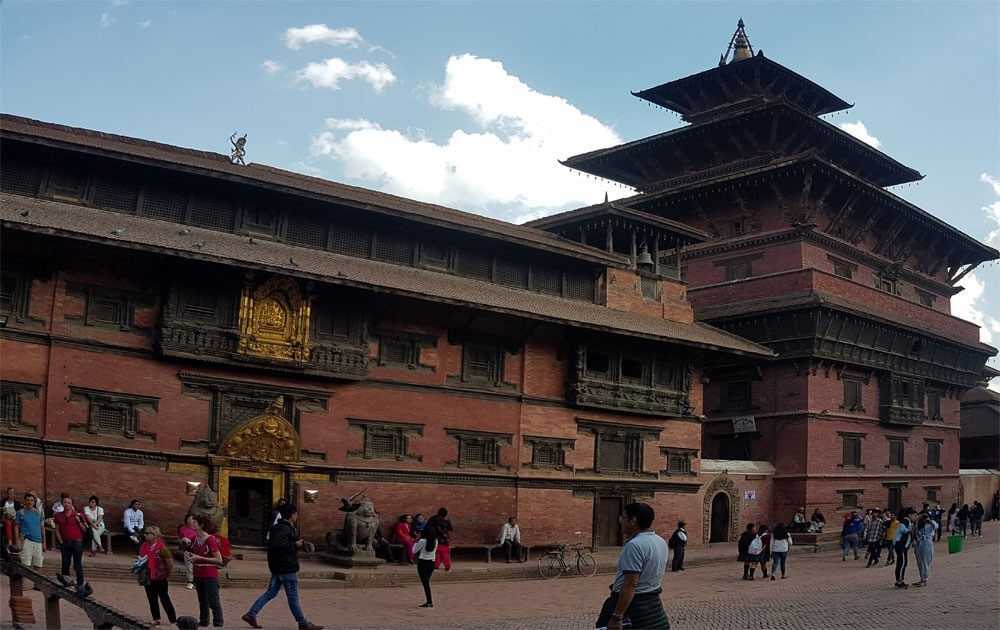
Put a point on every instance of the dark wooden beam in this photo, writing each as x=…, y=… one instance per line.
x=720, y=81
x=842, y=214
x=896, y=227
x=814, y=209
x=773, y=138
x=956, y=277
x=807, y=183
x=863, y=228
x=942, y=261
x=710, y=225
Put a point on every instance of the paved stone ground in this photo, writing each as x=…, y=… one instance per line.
x=822, y=592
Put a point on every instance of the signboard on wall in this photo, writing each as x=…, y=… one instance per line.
x=744, y=424
x=750, y=495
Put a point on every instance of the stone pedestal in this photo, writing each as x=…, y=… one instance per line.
x=343, y=557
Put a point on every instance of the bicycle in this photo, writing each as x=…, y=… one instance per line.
x=553, y=563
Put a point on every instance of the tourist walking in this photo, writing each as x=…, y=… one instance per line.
x=743, y=548
x=874, y=536
x=901, y=545
x=936, y=514
x=425, y=551
x=29, y=521
x=417, y=526
x=133, y=520
x=963, y=519
x=402, y=535
x=678, y=542
x=764, y=557
x=442, y=528
x=851, y=534
x=923, y=549
x=71, y=529
x=94, y=514
x=159, y=563
x=205, y=554
x=890, y=537
x=635, y=593
x=510, y=539
x=781, y=544
x=186, y=533
x=976, y=515
x=952, y=518
x=283, y=544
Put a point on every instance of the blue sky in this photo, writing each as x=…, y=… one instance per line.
x=469, y=104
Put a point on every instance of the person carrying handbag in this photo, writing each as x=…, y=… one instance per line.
x=159, y=565
x=71, y=530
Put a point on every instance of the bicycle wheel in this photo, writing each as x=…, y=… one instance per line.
x=550, y=566
x=586, y=565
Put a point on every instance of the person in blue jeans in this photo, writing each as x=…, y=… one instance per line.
x=853, y=526
x=283, y=543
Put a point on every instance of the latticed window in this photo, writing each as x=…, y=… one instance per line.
x=434, y=255
x=382, y=445
x=474, y=452
x=237, y=409
x=212, y=212
x=849, y=499
x=162, y=203
x=679, y=461
x=118, y=194
x=668, y=374
x=394, y=248
x=474, y=264
x=852, y=395
x=67, y=181
x=108, y=418
x=546, y=280
x=512, y=274
x=330, y=322
x=932, y=494
x=934, y=454
x=306, y=232
x=650, y=288
x=851, y=450
x=580, y=286
x=613, y=453
x=398, y=351
x=896, y=453
x=19, y=177
x=350, y=240
x=478, y=448
x=109, y=311
x=10, y=407
x=481, y=363
x=547, y=454
x=260, y=219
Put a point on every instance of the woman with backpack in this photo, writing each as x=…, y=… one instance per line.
x=159, y=564
x=677, y=544
x=781, y=544
x=765, y=553
x=743, y=546
x=205, y=553
x=425, y=551
x=901, y=545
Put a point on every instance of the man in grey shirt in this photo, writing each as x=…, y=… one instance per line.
x=635, y=594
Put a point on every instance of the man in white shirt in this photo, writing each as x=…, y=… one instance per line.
x=133, y=520
x=510, y=539
x=678, y=542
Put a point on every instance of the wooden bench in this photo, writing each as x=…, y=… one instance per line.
x=106, y=537
x=489, y=548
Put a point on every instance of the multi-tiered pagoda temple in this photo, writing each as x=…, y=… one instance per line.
x=811, y=255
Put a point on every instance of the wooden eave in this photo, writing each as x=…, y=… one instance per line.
x=617, y=163
x=580, y=215
x=672, y=94
x=808, y=159
x=218, y=167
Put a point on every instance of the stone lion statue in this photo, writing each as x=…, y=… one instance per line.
x=206, y=503
x=360, y=526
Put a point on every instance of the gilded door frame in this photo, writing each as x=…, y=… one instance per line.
x=277, y=478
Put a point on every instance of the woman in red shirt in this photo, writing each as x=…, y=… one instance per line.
x=402, y=534
x=206, y=556
x=160, y=562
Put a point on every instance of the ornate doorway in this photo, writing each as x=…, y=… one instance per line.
x=720, y=518
x=609, y=528
x=249, y=509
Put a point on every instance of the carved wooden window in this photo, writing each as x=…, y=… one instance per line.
x=478, y=449
x=897, y=449
x=212, y=212
x=15, y=294
x=580, y=286
x=738, y=269
x=885, y=283
x=650, y=288
x=474, y=264
x=386, y=440
x=399, y=351
x=202, y=304
x=111, y=413
x=736, y=396
x=350, y=240
x=106, y=308
x=306, y=232
x=512, y=274
x=934, y=405
x=546, y=280
x=394, y=248
x=679, y=460
x=852, y=395
x=19, y=176
x=668, y=374
x=598, y=364
x=632, y=370
x=843, y=269
x=260, y=220
x=482, y=363
x=927, y=299
x=68, y=182
x=618, y=452
x=111, y=418
x=435, y=255
x=849, y=499
x=933, y=492
x=895, y=499
x=933, y=453
x=164, y=203
x=851, y=450
x=547, y=455
x=115, y=193
x=12, y=395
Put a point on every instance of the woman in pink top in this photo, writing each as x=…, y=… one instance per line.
x=159, y=561
x=206, y=556
x=186, y=533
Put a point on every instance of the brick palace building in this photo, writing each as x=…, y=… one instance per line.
x=810, y=255
x=168, y=318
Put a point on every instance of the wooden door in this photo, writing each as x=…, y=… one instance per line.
x=249, y=510
x=720, y=518
x=609, y=528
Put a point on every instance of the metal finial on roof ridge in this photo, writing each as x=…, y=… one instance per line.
x=739, y=44
x=605, y=196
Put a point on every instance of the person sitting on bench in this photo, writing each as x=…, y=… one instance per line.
x=510, y=539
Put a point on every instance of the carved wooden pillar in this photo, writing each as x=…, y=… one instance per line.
x=634, y=247
x=53, y=620
x=609, y=238
x=656, y=254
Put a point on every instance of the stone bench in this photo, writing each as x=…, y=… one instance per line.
x=106, y=538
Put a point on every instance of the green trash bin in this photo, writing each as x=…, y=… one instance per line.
x=955, y=544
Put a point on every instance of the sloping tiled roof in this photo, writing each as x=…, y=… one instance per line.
x=610, y=207
x=218, y=165
x=126, y=231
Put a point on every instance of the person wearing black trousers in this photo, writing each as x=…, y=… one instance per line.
x=902, y=547
x=425, y=551
x=677, y=543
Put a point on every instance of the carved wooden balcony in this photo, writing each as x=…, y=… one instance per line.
x=633, y=398
x=900, y=415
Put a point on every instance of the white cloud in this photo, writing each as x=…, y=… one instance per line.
x=107, y=20
x=969, y=304
x=297, y=37
x=508, y=168
x=270, y=66
x=992, y=210
x=859, y=131
x=144, y=24
x=329, y=73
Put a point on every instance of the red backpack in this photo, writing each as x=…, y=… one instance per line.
x=225, y=549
